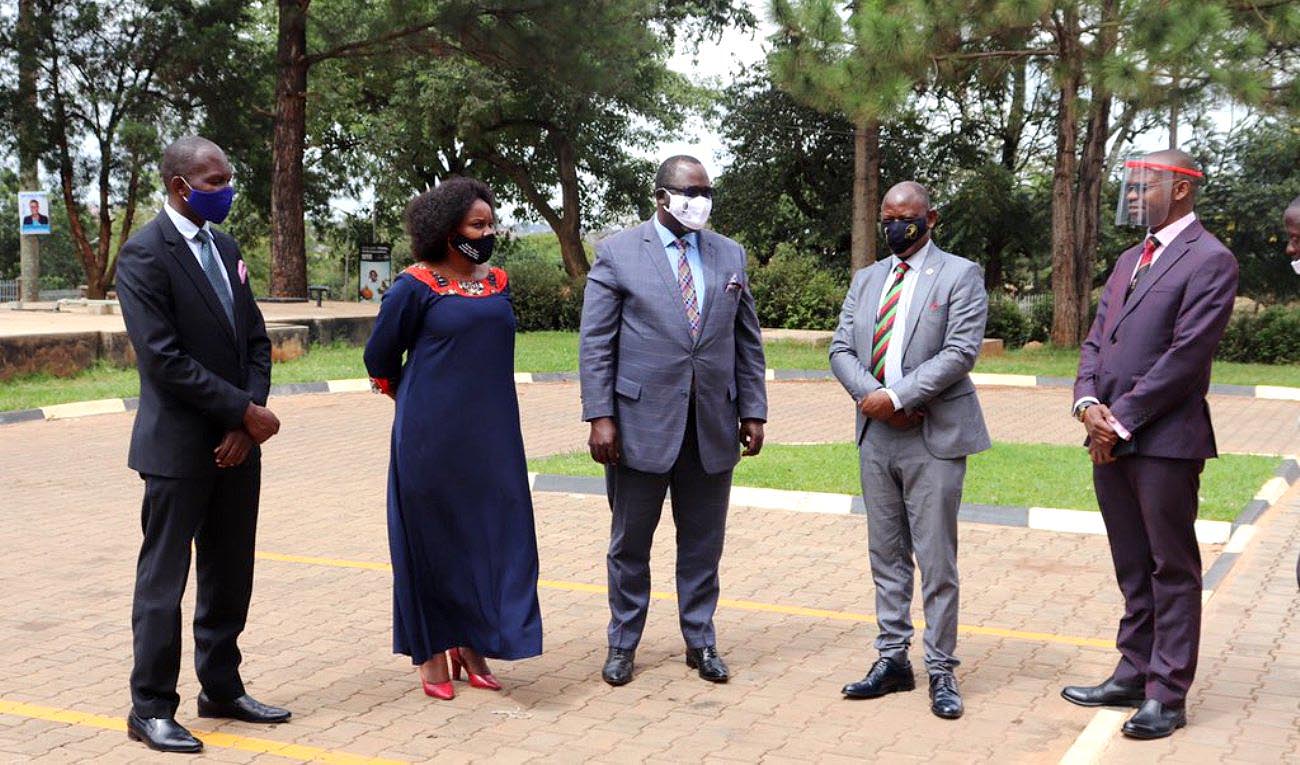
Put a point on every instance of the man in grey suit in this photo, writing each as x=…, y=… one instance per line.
x=672, y=383
x=917, y=420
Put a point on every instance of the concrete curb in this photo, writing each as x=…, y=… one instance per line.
x=360, y=385
x=1232, y=533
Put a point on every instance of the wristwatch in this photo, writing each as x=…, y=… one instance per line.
x=1078, y=413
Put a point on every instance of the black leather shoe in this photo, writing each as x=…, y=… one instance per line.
x=709, y=663
x=885, y=676
x=1154, y=720
x=161, y=733
x=245, y=708
x=618, y=666
x=1108, y=694
x=945, y=699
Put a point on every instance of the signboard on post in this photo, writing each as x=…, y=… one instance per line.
x=375, y=272
x=33, y=213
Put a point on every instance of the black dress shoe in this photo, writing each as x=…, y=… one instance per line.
x=709, y=663
x=618, y=666
x=1154, y=720
x=245, y=708
x=945, y=699
x=885, y=676
x=1109, y=694
x=161, y=733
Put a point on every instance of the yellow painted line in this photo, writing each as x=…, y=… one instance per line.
x=284, y=749
x=741, y=605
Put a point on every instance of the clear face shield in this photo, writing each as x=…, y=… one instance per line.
x=1147, y=191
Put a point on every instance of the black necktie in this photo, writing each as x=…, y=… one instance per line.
x=212, y=268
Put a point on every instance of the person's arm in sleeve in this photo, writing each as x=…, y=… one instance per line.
x=602, y=314
x=1202, y=317
x=968, y=308
x=400, y=314
x=751, y=362
x=845, y=362
x=1085, y=381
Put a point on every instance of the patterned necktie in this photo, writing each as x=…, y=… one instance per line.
x=212, y=268
x=686, y=281
x=1144, y=264
x=885, y=322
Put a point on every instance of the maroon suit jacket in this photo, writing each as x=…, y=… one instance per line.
x=1148, y=359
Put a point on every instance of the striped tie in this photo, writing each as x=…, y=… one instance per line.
x=687, y=283
x=885, y=322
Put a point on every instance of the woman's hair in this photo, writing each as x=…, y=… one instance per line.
x=432, y=217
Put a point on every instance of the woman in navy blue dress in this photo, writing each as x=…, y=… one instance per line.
x=460, y=515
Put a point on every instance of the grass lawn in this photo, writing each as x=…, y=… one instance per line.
x=558, y=352
x=1020, y=475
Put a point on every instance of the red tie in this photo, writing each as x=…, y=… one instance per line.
x=1144, y=264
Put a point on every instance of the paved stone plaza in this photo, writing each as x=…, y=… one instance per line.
x=1038, y=611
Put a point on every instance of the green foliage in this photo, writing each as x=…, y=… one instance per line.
x=1038, y=320
x=1005, y=322
x=793, y=292
x=1271, y=336
x=1251, y=179
x=544, y=296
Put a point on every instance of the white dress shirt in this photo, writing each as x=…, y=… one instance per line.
x=898, y=335
x=1163, y=238
x=189, y=231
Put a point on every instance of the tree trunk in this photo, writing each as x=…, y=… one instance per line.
x=28, y=144
x=866, y=193
x=570, y=231
x=1087, y=207
x=1065, y=293
x=288, y=233
x=858, y=240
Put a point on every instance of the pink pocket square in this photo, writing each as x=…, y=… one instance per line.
x=243, y=272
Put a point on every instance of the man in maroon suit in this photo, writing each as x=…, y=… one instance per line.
x=1144, y=370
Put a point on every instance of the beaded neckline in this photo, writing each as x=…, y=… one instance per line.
x=493, y=283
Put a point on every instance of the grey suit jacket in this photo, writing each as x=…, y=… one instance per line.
x=637, y=359
x=945, y=326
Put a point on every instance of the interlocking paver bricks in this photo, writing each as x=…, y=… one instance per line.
x=319, y=638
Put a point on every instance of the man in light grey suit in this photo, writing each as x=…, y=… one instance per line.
x=908, y=336
x=672, y=383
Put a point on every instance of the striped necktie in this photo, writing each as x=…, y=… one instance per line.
x=212, y=269
x=686, y=281
x=885, y=322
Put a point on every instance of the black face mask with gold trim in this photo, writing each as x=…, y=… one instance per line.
x=902, y=234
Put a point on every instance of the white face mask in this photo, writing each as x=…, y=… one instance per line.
x=1295, y=266
x=691, y=212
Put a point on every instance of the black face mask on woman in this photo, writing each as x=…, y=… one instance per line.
x=478, y=250
x=902, y=234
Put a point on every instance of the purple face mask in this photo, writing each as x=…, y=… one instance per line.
x=211, y=206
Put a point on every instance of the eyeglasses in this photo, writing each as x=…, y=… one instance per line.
x=691, y=191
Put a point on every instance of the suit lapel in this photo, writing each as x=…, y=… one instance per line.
x=190, y=265
x=227, y=251
x=652, y=249
x=1172, y=254
x=926, y=278
x=872, y=290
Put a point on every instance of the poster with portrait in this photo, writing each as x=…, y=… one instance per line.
x=375, y=272
x=33, y=213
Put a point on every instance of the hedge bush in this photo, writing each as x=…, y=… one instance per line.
x=794, y=291
x=544, y=296
x=1271, y=336
x=1006, y=322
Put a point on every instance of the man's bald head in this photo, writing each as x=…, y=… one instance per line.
x=1293, y=209
x=186, y=155
x=907, y=193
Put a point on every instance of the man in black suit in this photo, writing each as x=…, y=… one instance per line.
x=35, y=218
x=205, y=371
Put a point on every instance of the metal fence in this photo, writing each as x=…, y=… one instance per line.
x=9, y=293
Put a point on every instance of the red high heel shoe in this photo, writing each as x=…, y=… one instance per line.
x=486, y=682
x=442, y=691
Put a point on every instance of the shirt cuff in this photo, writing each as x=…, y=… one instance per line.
x=893, y=397
x=1119, y=428
x=1074, y=410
